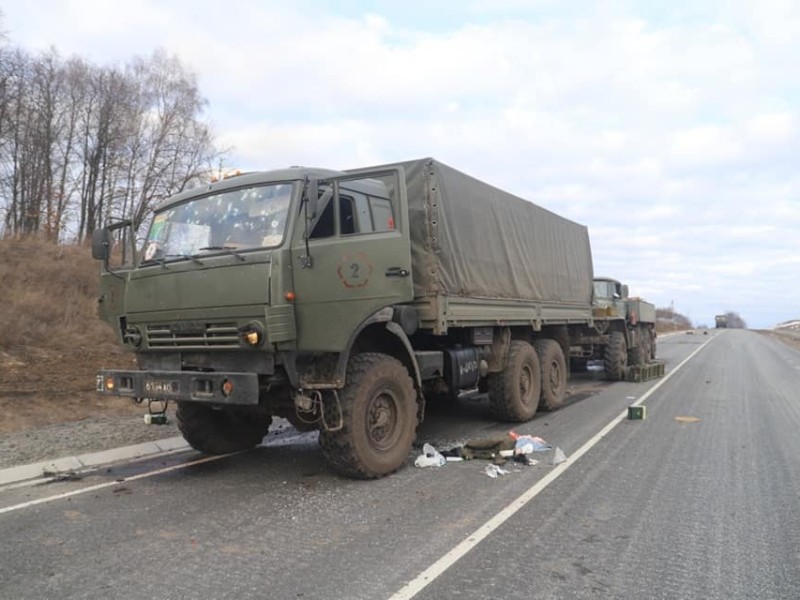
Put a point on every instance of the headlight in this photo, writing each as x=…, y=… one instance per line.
x=253, y=334
x=132, y=336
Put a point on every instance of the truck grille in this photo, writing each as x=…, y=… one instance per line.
x=193, y=335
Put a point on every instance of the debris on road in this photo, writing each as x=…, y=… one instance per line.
x=637, y=413
x=687, y=419
x=430, y=457
x=494, y=470
x=558, y=457
x=499, y=449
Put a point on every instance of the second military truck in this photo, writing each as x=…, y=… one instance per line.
x=342, y=300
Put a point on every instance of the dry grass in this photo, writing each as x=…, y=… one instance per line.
x=51, y=340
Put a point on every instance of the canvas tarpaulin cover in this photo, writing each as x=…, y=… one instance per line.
x=471, y=239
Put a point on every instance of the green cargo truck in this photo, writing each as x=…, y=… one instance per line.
x=342, y=300
x=623, y=334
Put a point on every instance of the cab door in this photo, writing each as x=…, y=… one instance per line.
x=360, y=257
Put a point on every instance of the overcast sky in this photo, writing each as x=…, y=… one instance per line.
x=671, y=129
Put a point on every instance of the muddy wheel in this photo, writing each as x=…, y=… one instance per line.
x=379, y=419
x=646, y=345
x=554, y=374
x=215, y=430
x=514, y=392
x=636, y=355
x=616, y=357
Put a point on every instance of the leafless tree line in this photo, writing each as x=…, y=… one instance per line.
x=81, y=143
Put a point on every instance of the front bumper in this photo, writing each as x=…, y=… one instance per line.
x=184, y=386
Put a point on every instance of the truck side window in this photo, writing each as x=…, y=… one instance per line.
x=347, y=215
x=354, y=215
x=382, y=217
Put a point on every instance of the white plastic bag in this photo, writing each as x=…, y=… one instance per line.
x=430, y=457
x=559, y=456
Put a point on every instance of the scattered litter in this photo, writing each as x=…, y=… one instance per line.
x=61, y=476
x=630, y=398
x=559, y=457
x=498, y=449
x=494, y=470
x=687, y=419
x=526, y=459
x=430, y=457
x=525, y=444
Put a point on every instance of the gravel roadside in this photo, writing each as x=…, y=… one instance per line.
x=80, y=437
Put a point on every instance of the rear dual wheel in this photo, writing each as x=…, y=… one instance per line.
x=554, y=373
x=514, y=392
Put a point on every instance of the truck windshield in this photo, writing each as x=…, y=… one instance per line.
x=241, y=219
x=603, y=289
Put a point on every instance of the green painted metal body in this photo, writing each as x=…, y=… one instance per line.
x=187, y=304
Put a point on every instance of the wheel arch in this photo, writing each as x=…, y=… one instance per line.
x=379, y=333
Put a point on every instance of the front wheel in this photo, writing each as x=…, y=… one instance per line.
x=379, y=419
x=222, y=430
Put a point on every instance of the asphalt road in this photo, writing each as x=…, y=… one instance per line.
x=697, y=508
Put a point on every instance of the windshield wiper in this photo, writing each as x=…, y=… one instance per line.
x=228, y=249
x=167, y=258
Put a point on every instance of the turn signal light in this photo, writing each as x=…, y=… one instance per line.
x=227, y=387
x=109, y=383
x=290, y=296
x=252, y=338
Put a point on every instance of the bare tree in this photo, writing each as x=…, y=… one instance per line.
x=80, y=143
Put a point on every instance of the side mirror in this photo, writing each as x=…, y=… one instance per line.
x=101, y=244
x=312, y=198
x=624, y=291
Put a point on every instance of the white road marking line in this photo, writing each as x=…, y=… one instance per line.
x=101, y=486
x=430, y=574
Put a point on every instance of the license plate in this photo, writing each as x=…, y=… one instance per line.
x=160, y=386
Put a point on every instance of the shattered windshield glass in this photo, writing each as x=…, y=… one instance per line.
x=241, y=219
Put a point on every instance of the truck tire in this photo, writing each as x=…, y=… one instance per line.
x=554, y=373
x=214, y=430
x=616, y=356
x=514, y=392
x=646, y=345
x=636, y=355
x=379, y=419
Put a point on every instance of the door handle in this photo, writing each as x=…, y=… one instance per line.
x=397, y=272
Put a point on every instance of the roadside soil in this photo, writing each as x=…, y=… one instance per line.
x=49, y=409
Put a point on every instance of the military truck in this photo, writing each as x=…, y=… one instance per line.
x=623, y=332
x=343, y=300
x=721, y=321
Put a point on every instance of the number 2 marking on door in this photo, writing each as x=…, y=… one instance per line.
x=354, y=270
